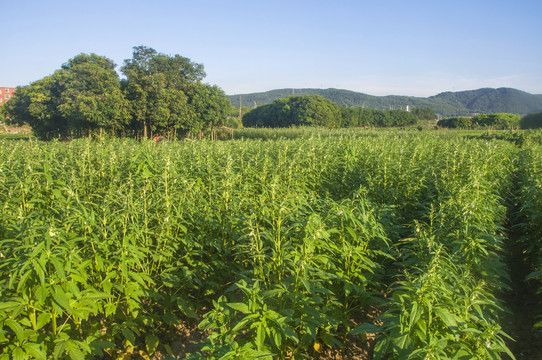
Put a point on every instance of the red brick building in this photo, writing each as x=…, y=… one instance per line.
x=5, y=94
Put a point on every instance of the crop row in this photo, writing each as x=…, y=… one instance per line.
x=272, y=245
x=530, y=200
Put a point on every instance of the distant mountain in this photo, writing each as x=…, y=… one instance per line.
x=446, y=104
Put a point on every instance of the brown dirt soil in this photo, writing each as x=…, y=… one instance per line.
x=188, y=336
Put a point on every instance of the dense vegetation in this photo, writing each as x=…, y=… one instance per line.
x=295, y=111
x=272, y=246
x=314, y=110
x=380, y=118
x=531, y=121
x=482, y=121
x=161, y=94
x=447, y=104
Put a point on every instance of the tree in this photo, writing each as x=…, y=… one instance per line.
x=532, y=121
x=295, y=111
x=37, y=106
x=156, y=86
x=425, y=113
x=497, y=121
x=209, y=107
x=162, y=93
x=456, y=122
x=372, y=117
x=92, y=97
x=84, y=94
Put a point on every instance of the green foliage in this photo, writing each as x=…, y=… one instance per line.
x=82, y=96
x=161, y=94
x=531, y=121
x=530, y=199
x=381, y=118
x=500, y=121
x=272, y=246
x=295, y=111
x=160, y=89
x=423, y=113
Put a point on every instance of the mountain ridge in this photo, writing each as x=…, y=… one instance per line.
x=446, y=104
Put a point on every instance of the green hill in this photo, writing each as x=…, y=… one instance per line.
x=446, y=104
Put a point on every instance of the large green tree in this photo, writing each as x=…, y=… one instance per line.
x=423, y=113
x=295, y=111
x=81, y=96
x=209, y=107
x=161, y=93
x=370, y=117
x=531, y=121
x=37, y=105
x=158, y=88
x=92, y=97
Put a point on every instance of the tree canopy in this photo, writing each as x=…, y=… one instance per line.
x=160, y=93
x=295, y=111
x=380, y=118
x=531, y=121
x=423, y=113
x=496, y=121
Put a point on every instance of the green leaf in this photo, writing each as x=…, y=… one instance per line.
x=74, y=351
x=365, y=328
x=35, y=351
x=17, y=329
x=290, y=334
x=306, y=284
x=151, y=342
x=98, y=347
x=22, y=281
x=59, y=268
x=59, y=349
x=41, y=294
x=240, y=307
x=241, y=324
x=414, y=315
x=448, y=318
x=19, y=354
x=187, y=308
x=260, y=336
x=9, y=305
x=128, y=335
x=61, y=299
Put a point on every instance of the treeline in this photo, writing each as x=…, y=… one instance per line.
x=380, y=118
x=496, y=121
x=160, y=94
x=294, y=111
x=531, y=121
x=314, y=110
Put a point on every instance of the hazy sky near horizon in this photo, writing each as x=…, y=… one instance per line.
x=417, y=48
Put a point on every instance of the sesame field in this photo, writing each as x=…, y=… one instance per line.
x=283, y=244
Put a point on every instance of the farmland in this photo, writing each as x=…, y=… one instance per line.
x=280, y=244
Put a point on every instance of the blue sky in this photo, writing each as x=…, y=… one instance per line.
x=418, y=47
